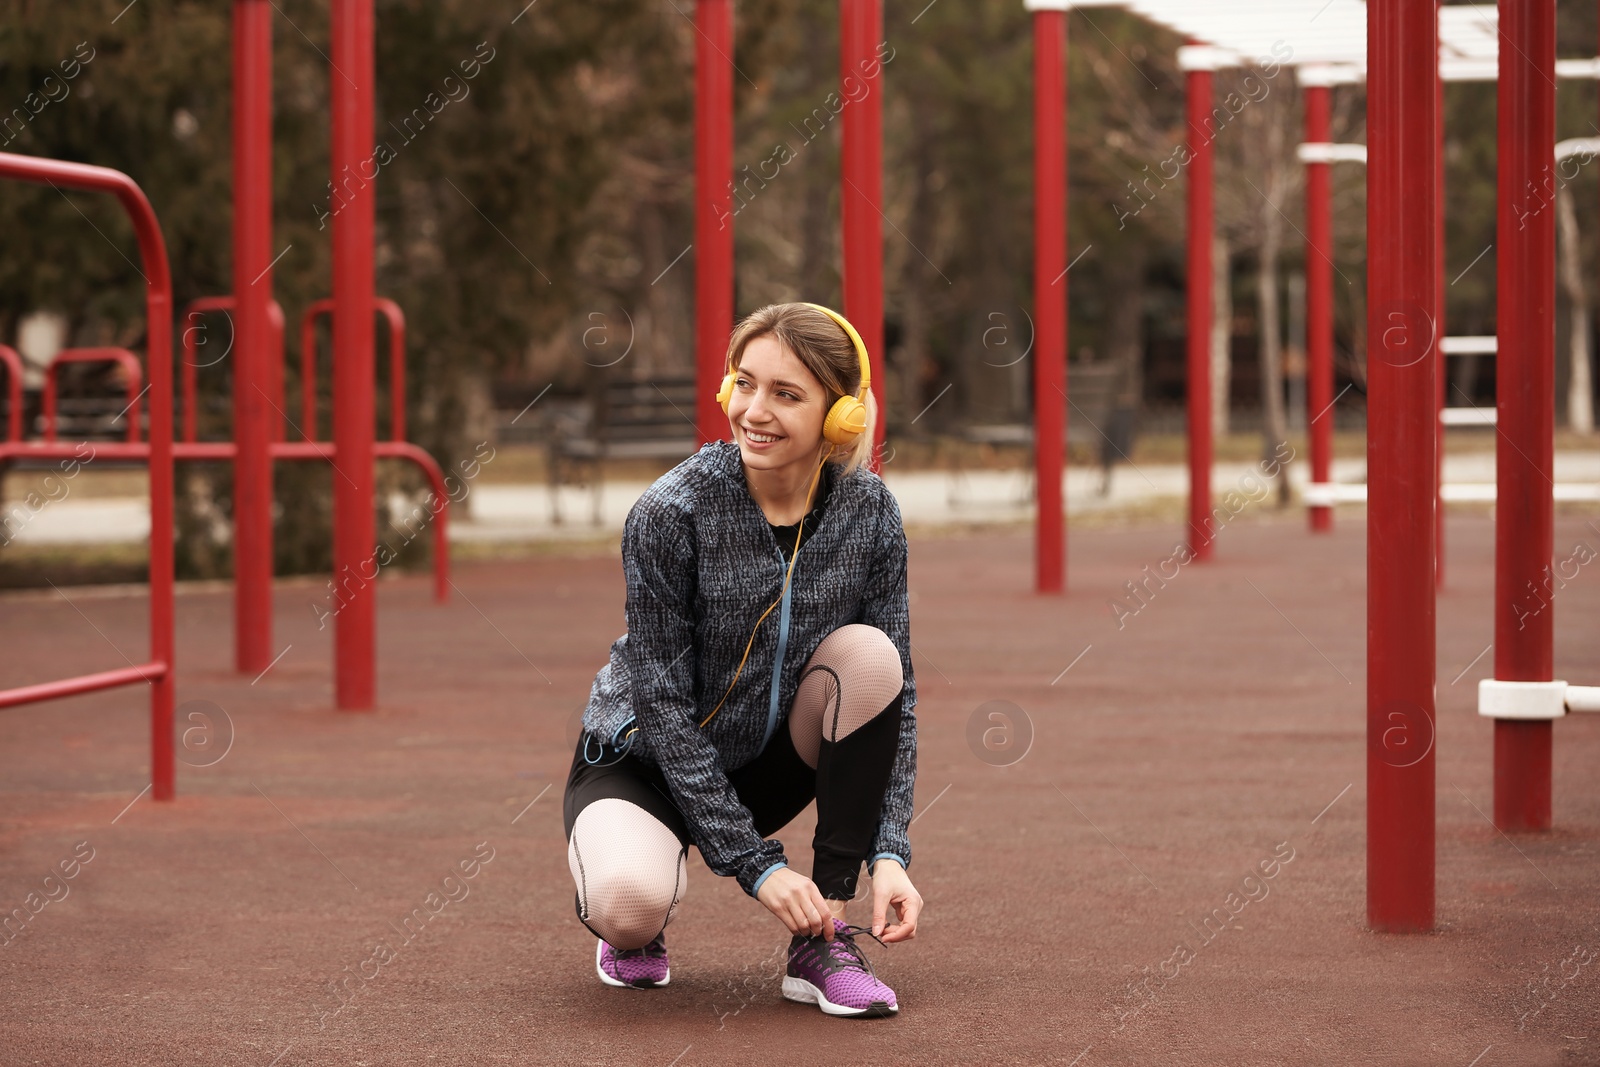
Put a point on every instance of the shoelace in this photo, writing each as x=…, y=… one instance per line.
x=844, y=941
x=656, y=949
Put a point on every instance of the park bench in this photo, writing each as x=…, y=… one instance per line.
x=1091, y=413
x=624, y=418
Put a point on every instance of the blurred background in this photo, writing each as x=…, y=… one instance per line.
x=537, y=229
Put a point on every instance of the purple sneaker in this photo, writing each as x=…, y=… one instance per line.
x=835, y=975
x=639, y=968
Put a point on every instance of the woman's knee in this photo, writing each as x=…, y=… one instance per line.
x=854, y=675
x=630, y=870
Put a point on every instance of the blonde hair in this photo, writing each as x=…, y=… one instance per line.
x=827, y=352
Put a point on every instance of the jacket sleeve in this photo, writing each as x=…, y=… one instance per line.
x=885, y=605
x=659, y=563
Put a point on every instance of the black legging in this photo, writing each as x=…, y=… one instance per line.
x=628, y=856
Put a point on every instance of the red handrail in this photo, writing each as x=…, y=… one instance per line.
x=84, y=683
x=13, y=364
x=190, y=367
x=397, y=366
x=120, y=356
x=159, y=671
x=224, y=451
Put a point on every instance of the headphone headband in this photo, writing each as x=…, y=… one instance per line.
x=855, y=339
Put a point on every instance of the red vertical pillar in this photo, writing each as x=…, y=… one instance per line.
x=253, y=351
x=1049, y=290
x=713, y=213
x=355, y=565
x=861, y=196
x=1402, y=138
x=1199, y=62
x=1319, y=298
x=158, y=358
x=1525, y=387
x=1439, y=332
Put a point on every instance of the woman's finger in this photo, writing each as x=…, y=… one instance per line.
x=908, y=907
x=813, y=918
x=824, y=912
x=910, y=911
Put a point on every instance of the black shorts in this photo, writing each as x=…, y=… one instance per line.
x=774, y=787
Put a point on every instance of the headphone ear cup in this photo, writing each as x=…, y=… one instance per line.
x=846, y=421
x=725, y=392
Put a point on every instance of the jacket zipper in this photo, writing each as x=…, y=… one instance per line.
x=777, y=663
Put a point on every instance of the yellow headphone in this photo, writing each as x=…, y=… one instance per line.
x=846, y=420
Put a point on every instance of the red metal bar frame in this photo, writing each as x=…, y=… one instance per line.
x=1319, y=302
x=397, y=366
x=158, y=325
x=861, y=194
x=713, y=216
x=13, y=365
x=190, y=365
x=1198, y=285
x=1049, y=295
x=224, y=451
x=354, y=171
x=1402, y=138
x=120, y=356
x=1525, y=398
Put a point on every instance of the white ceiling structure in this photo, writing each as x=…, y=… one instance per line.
x=1328, y=35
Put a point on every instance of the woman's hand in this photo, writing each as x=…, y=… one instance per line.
x=796, y=900
x=892, y=886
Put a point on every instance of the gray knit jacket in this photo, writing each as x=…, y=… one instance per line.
x=701, y=564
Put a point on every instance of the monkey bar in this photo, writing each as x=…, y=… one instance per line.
x=121, y=357
x=191, y=364
x=227, y=451
x=397, y=366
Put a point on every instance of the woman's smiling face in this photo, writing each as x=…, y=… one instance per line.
x=777, y=408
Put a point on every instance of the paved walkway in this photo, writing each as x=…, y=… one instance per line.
x=512, y=513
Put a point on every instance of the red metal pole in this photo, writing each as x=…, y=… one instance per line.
x=397, y=366
x=1201, y=131
x=1525, y=388
x=1440, y=332
x=713, y=214
x=279, y=413
x=252, y=350
x=13, y=365
x=1319, y=302
x=354, y=170
x=1402, y=138
x=861, y=196
x=188, y=372
x=1049, y=293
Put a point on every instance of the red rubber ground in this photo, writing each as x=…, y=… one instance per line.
x=1222, y=725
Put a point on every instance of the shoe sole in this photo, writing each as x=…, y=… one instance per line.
x=599, y=950
x=803, y=992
